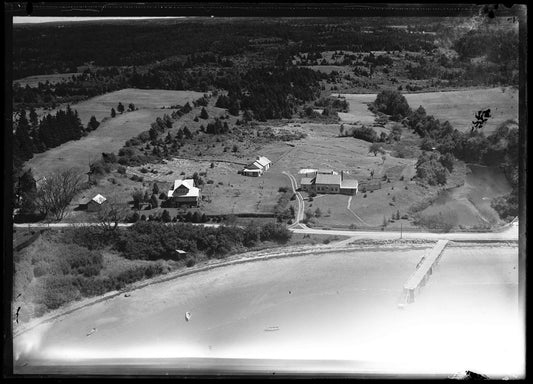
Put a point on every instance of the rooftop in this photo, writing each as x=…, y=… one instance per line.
x=263, y=160
x=328, y=179
x=306, y=181
x=255, y=164
x=351, y=184
x=192, y=191
x=99, y=199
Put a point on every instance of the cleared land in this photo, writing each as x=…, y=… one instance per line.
x=458, y=107
x=340, y=305
x=100, y=106
x=112, y=132
x=358, y=108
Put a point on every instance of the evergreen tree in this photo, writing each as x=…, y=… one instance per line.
x=167, y=121
x=113, y=113
x=131, y=107
x=24, y=148
x=165, y=217
x=187, y=133
x=120, y=108
x=34, y=123
x=93, y=124
x=155, y=189
x=196, y=218
x=204, y=114
x=154, y=202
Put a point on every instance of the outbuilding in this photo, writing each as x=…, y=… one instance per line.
x=96, y=203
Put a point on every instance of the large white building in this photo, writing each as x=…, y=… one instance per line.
x=184, y=192
x=328, y=181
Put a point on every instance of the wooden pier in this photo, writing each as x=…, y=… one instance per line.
x=423, y=271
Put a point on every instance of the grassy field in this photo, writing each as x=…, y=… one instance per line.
x=144, y=99
x=226, y=192
x=458, y=107
x=112, y=132
x=358, y=108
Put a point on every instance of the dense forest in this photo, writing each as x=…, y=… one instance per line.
x=142, y=43
x=204, y=54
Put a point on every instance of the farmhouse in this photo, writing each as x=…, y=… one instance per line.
x=328, y=181
x=96, y=203
x=258, y=167
x=184, y=192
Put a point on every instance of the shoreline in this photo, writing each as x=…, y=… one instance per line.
x=246, y=257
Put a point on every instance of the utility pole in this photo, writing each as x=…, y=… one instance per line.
x=401, y=230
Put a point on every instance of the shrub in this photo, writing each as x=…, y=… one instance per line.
x=54, y=291
x=392, y=103
x=365, y=133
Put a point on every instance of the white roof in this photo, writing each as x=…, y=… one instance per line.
x=306, y=171
x=255, y=164
x=263, y=161
x=306, y=181
x=99, y=199
x=189, y=184
x=252, y=170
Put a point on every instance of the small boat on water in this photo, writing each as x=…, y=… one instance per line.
x=187, y=316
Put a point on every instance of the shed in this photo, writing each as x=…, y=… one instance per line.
x=96, y=203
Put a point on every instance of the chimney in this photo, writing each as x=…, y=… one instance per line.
x=342, y=175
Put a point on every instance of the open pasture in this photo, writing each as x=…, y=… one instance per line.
x=112, y=132
x=458, y=107
x=151, y=99
x=358, y=108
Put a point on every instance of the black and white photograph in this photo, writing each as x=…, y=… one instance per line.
x=303, y=190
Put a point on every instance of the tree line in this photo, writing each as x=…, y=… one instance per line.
x=442, y=144
x=34, y=136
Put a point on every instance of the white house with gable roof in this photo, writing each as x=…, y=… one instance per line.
x=184, y=192
x=259, y=166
